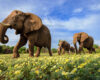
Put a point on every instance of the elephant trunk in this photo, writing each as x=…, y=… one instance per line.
x=74, y=42
x=76, y=48
x=59, y=50
x=3, y=28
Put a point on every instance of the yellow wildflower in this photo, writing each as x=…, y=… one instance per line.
x=67, y=60
x=57, y=70
x=60, y=67
x=82, y=65
x=99, y=70
x=17, y=72
x=16, y=66
x=64, y=73
x=74, y=70
x=0, y=71
x=37, y=72
x=41, y=76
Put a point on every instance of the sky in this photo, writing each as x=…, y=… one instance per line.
x=62, y=17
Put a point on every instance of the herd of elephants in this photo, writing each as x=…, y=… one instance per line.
x=31, y=29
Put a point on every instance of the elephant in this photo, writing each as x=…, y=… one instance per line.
x=72, y=49
x=30, y=28
x=84, y=40
x=63, y=46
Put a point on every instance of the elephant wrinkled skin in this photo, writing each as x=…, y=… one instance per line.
x=84, y=40
x=30, y=28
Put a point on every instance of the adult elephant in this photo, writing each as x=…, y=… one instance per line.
x=84, y=40
x=30, y=28
x=63, y=46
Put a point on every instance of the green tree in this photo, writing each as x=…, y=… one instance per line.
x=54, y=50
x=95, y=46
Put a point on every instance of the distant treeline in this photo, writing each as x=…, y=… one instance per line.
x=4, y=49
x=9, y=49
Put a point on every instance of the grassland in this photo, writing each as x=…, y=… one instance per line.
x=64, y=67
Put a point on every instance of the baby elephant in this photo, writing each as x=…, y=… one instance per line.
x=63, y=46
x=72, y=49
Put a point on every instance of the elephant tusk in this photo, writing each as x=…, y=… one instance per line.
x=7, y=25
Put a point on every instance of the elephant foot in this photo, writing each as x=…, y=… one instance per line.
x=31, y=55
x=50, y=54
x=37, y=55
x=16, y=55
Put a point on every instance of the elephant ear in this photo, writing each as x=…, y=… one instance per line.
x=63, y=43
x=84, y=36
x=32, y=23
x=75, y=38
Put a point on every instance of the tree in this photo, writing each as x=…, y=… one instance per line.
x=95, y=46
x=54, y=50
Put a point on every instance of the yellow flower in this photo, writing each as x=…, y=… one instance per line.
x=0, y=71
x=37, y=72
x=16, y=66
x=57, y=70
x=60, y=67
x=74, y=70
x=1, y=61
x=64, y=73
x=41, y=76
x=82, y=65
x=17, y=72
x=99, y=70
x=67, y=60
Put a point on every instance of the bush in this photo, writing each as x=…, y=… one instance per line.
x=54, y=50
x=95, y=46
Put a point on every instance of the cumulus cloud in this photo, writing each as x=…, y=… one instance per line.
x=41, y=8
x=64, y=29
x=75, y=23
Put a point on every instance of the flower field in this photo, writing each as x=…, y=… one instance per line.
x=64, y=67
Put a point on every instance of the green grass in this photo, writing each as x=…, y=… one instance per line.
x=63, y=67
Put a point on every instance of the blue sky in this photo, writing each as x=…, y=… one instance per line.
x=63, y=17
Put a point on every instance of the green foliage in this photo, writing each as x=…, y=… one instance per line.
x=95, y=46
x=65, y=67
x=54, y=50
x=9, y=49
x=22, y=50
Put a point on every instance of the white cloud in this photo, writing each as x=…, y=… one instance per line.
x=75, y=23
x=41, y=8
x=78, y=10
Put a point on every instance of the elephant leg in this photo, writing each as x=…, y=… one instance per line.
x=93, y=49
x=49, y=49
x=38, y=51
x=59, y=51
x=20, y=43
x=31, y=49
x=90, y=50
x=81, y=48
x=69, y=51
x=63, y=51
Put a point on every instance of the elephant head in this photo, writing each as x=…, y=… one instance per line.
x=79, y=37
x=61, y=45
x=21, y=22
